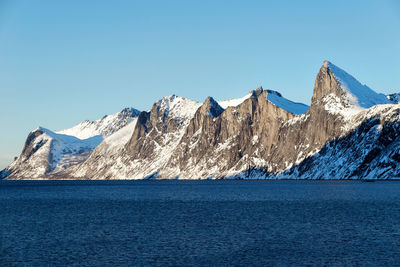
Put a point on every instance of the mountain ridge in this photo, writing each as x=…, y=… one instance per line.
x=261, y=135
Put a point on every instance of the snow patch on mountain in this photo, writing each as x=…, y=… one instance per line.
x=370, y=150
x=356, y=93
x=48, y=152
x=68, y=150
x=278, y=100
x=121, y=137
x=178, y=106
x=109, y=155
x=274, y=97
x=104, y=126
x=234, y=102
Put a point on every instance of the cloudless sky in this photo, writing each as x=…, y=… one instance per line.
x=62, y=62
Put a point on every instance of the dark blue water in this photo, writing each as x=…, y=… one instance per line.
x=199, y=223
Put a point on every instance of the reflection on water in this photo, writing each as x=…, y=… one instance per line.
x=199, y=222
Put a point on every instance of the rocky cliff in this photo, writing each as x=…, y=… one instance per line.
x=348, y=132
x=48, y=154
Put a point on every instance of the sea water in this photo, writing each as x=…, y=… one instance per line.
x=199, y=223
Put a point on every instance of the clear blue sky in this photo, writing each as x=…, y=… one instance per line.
x=65, y=61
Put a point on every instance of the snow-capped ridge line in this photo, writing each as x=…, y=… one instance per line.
x=278, y=100
x=259, y=135
x=105, y=126
x=356, y=94
x=177, y=106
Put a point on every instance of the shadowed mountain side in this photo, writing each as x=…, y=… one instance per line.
x=370, y=151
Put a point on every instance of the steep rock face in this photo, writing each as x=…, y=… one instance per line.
x=371, y=150
x=49, y=154
x=258, y=134
x=339, y=105
x=348, y=132
x=350, y=93
x=146, y=147
x=108, y=160
x=304, y=135
x=224, y=145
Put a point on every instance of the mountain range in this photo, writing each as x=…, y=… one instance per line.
x=348, y=132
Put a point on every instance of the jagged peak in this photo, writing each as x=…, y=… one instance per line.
x=212, y=107
x=344, y=86
x=257, y=92
x=173, y=98
x=177, y=106
x=134, y=112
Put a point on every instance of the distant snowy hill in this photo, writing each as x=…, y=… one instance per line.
x=49, y=153
x=104, y=126
x=348, y=132
x=46, y=152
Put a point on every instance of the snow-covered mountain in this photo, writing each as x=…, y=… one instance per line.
x=278, y=100
x=47, y=153
x=355, y=93
x=348, y=132
x=147, y=144
x=105, y=126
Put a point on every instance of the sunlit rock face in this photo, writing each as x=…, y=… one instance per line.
x=348, y=132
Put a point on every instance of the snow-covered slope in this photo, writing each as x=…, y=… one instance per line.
x=356, y=93
x=278, y=100
x=273, y=96
x=370, y=150
x=234, y=102
x=109, y=159
x=177, y=106
x=348, y=131
x=48, y=152
x=164, y=126
x=104, y=126
x=66, y=150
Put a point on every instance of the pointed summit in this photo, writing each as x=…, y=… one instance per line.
x=212, y=107
x=334, y=83
x=257, y=92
